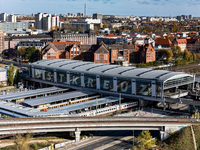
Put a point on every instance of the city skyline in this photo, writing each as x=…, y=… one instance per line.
x=110, y=7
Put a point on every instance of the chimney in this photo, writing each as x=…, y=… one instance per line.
x=85, y=10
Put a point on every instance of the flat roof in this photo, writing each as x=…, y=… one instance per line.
x=56, y=98
x=89, y=103
x=25, y=94
x=16, y=108
x=107, y=70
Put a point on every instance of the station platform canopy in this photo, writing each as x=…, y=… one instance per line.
x=56, y=98
x=91, y=103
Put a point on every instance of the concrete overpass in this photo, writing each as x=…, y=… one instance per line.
x=78, y=124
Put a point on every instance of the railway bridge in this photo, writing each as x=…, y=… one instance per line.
x=165, y=125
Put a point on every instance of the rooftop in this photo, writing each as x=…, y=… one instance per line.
x=108, y=70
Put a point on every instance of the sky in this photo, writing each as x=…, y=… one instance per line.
x=105, y=7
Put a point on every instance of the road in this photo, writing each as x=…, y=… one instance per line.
x=110, y=140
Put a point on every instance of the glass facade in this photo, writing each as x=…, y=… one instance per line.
x=75, y=79
x=90, y=81
x=178, y=82
x=38, y=73
x=49, y=75
x=124, y=86
x=61, y=77
x=106, y=83
x=143, y=87
x=158, y=89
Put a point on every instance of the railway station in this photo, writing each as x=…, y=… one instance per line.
x=115, y=80
x=80, y=103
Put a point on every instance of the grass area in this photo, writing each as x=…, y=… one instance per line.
x=197, y=135
x=34, y=146
x=47, y=138
x=181, y=140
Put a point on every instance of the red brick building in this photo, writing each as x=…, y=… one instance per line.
x=121, y=52
x=96, y=53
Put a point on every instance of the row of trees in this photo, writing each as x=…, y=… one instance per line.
x=30, y=54
x=175, y=54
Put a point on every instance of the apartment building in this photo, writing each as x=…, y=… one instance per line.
x=46, y=21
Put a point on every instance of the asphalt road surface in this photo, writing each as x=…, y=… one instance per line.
x=108, y=140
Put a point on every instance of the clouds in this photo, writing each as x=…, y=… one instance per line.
x=113, y=7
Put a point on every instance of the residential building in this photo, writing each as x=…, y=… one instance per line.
x=38, y=21
x=193, y=45
x=37, y=44
x=3, y=76
x=10, y=26
x=181, y=42
x=8, y=18
x=3, y=17
x=121, y=52
x=12, y=18
x=46, y=21
x=10, y=43
x=61, y=50
x=88, y=38
x=143, y=53
x=163, y=43
x=97, y=16
x=1, y=41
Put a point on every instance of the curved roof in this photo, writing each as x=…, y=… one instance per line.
x=107, y=70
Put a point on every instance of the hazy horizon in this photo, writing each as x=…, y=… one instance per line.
x=105, y=7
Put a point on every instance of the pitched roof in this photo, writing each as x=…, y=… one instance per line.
x=181, y=41
x=163, y=41
x=48, y=47
x=191, y=41
x=60, y=46
x=102, y=49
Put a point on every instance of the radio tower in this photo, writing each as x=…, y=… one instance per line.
x=85, y=10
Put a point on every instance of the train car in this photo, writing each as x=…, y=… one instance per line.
x=109, y=109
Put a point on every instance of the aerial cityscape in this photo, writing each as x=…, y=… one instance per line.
x=97, y=74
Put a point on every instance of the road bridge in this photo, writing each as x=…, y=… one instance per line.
x=78, y=124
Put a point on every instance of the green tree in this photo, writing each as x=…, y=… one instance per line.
x=21, y=141
x=186, y=55
x=35, y=56
x=144, y=141
x=11, y=71
x=16, y=78
x=32, y=54
x=176, y=50
x=166, y=54
x=194, y=57
x=105, y=25
x=21, y=52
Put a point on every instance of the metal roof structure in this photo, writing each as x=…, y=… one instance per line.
x=25, y=94
x=56, y=98
x=20, y=111
x=107, y=70
x=86, y=104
